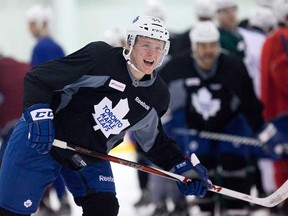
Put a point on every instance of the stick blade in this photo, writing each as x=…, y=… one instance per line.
x=277, y=197
x=270, y=201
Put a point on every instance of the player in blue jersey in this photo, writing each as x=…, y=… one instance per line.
x=91, y=98
x=39, y=19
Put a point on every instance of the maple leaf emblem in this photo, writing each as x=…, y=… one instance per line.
x=204, y=103
x=108, y=119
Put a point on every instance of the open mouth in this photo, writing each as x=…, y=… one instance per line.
x=148, y=62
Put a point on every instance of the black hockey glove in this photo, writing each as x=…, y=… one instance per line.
x=41, y=129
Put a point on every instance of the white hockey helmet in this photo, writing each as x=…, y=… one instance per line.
x=115, y=36
x=223, y=4
x=204, y=32
x=205, y=8
x=281, y=10
x=263, y=18
x=148, y=26
x=39, y=14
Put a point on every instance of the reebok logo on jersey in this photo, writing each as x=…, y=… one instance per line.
x=142, y=103
x=117, y=85
x=110, y=119
x=106, y=178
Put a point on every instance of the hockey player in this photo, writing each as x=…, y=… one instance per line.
x=274, y=80
x=91, y=98
x=230, y=39
x=212, y=91
x=39, y=18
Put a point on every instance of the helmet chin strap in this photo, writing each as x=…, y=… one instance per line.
x=127, y=58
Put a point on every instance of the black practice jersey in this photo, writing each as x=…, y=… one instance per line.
x=96, y=100
x=212, y=99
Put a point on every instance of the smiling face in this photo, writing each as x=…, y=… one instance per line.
x=146, y=55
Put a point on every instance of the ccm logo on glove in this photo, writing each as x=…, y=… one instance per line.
x=179, y=166
x=41, y=114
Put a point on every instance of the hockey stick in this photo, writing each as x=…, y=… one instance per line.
x=279, y=149
x=219, y=136
x=274, y=199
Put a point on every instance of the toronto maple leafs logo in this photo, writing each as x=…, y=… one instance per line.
x=204, y=104
x=108, y=119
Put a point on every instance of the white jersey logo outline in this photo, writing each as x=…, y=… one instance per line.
x=110, y=120
x=204, y=103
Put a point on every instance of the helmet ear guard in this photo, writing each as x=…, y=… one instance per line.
x=131, y=40
x=166, y=48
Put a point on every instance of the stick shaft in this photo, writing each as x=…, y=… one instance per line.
x=219, y=136
x=148, y=169
x=274, y=199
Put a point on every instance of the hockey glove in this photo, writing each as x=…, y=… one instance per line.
x=41, y=129
x=274, y=142
x=198, y=173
